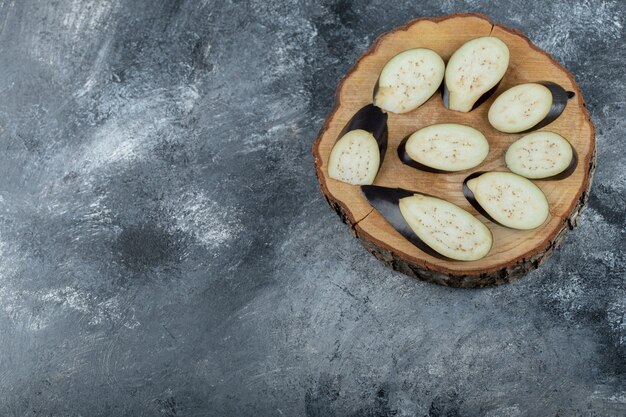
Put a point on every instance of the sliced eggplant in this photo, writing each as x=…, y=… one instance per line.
x=408, y=80
x=541, y=155
x=355, y=158
x=507, y=199
x=436, y=226
x=357, y=155
x=444, y=147
x=473, y=71
x=528, y=106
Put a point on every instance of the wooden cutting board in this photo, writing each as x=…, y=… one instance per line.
x=514, y=252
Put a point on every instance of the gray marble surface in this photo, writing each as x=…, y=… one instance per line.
x=165, y=249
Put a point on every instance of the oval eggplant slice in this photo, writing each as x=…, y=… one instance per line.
x=528, y=106
x=408, y=80
x=473, y=71
x=355, y=158
x=436, y=226
x=541, y=155
x=444, y=147
x=357, y=155
x=507, y=199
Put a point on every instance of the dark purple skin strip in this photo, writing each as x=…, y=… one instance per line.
x=469, y=195
x=445, y=95
x=371, y=119
x=386, y=200
x=375, y=91
x=559, y=101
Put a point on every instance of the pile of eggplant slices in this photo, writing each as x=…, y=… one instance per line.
x=510, y=199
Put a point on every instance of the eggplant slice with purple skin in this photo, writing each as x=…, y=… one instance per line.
x=507, y=199
x=474, y=72
x=529, y=106
x=360, y=150
x=437, y=227
x=542, y=155
x=408, y=80
x=445, y=147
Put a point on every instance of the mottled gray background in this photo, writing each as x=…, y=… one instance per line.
x=165, y=249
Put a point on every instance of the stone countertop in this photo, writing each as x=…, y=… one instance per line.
x=166, y=250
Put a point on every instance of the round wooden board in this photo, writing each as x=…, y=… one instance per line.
x=514, y=252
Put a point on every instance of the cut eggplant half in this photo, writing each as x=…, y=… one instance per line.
x=436, y=226
x=357, y=155
x=507, y=199
x=408, y=80
x=541, y=155
x=528, y=106
x=444, y=147
x=473, y=71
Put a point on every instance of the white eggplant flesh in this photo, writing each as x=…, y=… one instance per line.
x=539, y=155
x=355, y=158
x=520, y=108
x=408, y=80
x=446, y=228
x=474, y=69
x=511, y=200
x=448, y=147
